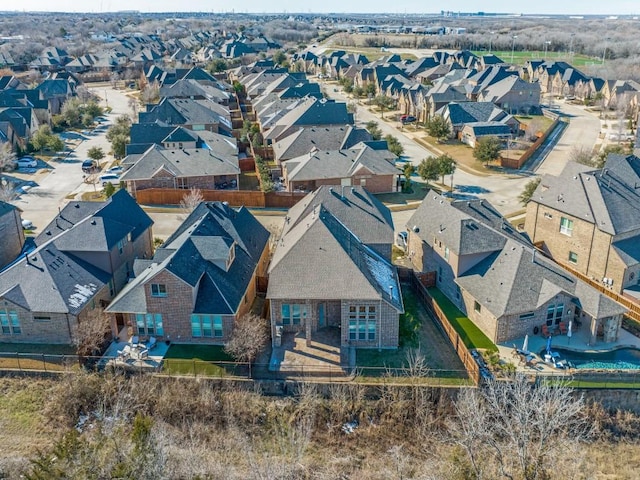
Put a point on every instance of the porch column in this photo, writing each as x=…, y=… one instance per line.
x=308, y=322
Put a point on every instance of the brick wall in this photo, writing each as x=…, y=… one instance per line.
x=58, y=329
x=12, y=236
x=337, y=314
x=596, y=259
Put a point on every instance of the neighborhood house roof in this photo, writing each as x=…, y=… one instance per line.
x=505, y=274
x=198, y=253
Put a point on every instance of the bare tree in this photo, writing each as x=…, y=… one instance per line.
x=517, y=428
x=133, y=105
x=190, y=201
x=581, y=154
x=7, y=156
x=8, y=191
x=249, y=337
x=151, y=93
x=91, y=333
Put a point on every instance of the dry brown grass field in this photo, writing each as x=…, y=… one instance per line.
x=149, y=428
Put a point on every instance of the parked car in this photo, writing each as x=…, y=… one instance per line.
x=117, y=169
x=26, y=162
x=401, y=240
x=90, y=166
x=407, y=119
x=109, y=178
x=27, y=224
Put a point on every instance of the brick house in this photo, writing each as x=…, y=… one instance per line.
x=331, y=268
x=367, y=164
x=199, y=281
x=11, y=233
x=496, y=277
x=81, y=260
x=589, y=220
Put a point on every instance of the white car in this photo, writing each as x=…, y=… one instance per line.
x=26, y=162
x=109, y=178
x=27, y=224
x=117, y=170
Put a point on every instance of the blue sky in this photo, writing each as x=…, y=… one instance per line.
x=609, y=7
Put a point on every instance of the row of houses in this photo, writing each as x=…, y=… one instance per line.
x=329, y=267
x=140, y=51
x=312, y=140
x=23, y=110
x=184, y=141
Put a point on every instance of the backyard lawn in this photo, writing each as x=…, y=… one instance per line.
x=470, y=334
x=417, y=330
x=35, y=356
x=190, y=359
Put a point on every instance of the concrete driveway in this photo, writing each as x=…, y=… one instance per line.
x=582, y=131
x=51, y=189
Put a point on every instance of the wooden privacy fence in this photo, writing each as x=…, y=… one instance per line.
x=247, y=198
x=517, y=163
x=461, y=349
x=633, y=307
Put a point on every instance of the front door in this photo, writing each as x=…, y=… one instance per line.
x=321, y=315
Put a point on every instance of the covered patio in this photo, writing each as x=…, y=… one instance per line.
x=319, y=357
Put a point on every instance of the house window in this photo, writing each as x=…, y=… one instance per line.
x=554, y=312
x=446, y=253
x=573, y=257
x=566, y=226
x=122, y=243
x=149, y=324
x=206, y=326
x=527, y=316
x=41, y=318
x=10, y=323
x=158, y=290
x=293, y=313
x=363, y=321
x=476, y=306
x=559, y=312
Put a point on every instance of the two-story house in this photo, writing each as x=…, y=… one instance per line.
x=82, y=258
x=331, y=268
x=589, y=220
x=200, y=281
x=496, y=276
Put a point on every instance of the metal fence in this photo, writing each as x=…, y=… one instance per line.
x=57, y=364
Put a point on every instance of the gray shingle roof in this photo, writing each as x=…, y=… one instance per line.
x=50, y=280
x=319, y=258
x=191, y=252
x=507, y=277
x=330, y=137
x=358, y=210
x=96, y=226
x=609, y=198
x=189, y=162
x=328, y=164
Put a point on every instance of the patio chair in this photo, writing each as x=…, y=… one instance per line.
x=563, y=328
x=143, y=354
x=135, y=340
x=151, y=343
x=545, y=331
